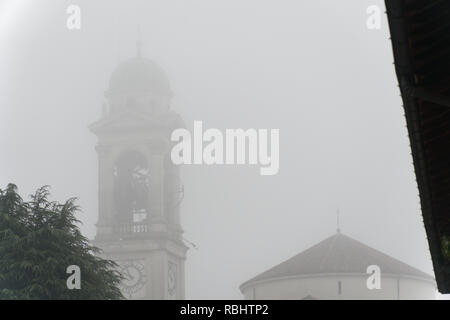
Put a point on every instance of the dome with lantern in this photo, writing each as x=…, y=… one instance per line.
x=139, y=75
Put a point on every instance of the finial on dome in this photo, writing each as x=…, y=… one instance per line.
x=139, y=43
x=138, y=49
x=104, y=110
x=338, y=229
x=119, y=58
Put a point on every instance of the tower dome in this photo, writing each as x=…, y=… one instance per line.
x=139, y=75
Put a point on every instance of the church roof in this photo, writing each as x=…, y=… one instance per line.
x=338, y=254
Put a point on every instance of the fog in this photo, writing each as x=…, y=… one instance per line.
x=311, y=69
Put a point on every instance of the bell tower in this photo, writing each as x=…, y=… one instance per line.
x=139, y=188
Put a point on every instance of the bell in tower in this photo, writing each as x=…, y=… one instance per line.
x=139, y=188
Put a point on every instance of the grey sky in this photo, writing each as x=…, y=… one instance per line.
x=310, y=68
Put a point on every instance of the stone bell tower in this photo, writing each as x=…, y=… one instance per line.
x=139, y=188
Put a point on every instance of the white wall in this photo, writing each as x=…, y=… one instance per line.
x=353, y=287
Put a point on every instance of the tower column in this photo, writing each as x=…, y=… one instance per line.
x=105, y=189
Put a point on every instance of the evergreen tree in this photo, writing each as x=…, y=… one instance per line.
x=39, y=239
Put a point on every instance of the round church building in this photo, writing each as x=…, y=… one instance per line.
x=340, y=267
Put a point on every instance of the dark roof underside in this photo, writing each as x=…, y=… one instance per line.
x=420, y=33
x=339, y=254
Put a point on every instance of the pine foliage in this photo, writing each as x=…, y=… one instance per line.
x=39, y=239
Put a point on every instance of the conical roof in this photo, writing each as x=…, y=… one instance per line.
x=339, y=254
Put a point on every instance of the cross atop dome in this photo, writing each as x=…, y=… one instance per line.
x=139, y=49
x=338, y=228
x=139, y=43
